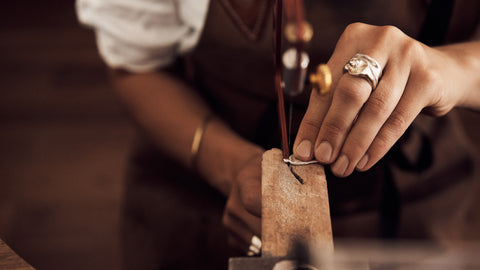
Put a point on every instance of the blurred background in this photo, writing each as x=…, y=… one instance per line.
x=64, y=140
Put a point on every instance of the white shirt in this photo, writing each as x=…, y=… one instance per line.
x=142, y=35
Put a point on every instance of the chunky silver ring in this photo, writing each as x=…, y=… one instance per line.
x=362, y=65
x=255, y=248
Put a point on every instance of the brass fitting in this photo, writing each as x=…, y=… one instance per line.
x=291, y=32
x=322, y=79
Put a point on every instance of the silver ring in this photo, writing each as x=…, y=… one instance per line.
x=364, y=66
x=255, y=248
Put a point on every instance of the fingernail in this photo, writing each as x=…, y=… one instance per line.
x=324, y=152
x=363, y=161
x=304, y=150
x=340, y=165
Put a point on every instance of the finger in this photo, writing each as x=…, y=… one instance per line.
x=317, y=109
x=251, y=223
x=349, y=97
x=239, y=237
x=250, y=188
x=239, y=234
x=251, y=197
x=241, y=228
x=310, y=125
x=410, y=105
x=239, y=214
x=373, y=115
x=318, y=106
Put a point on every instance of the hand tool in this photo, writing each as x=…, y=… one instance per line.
x=291, y=66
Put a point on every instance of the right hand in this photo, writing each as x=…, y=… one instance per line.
x=353, y=127
x=242, y=215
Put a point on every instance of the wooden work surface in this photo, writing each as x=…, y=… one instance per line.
x=9, y=260
x=291, y=211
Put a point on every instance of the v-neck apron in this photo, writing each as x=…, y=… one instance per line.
x=171, y=215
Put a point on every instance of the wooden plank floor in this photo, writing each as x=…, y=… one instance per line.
x=64, y=141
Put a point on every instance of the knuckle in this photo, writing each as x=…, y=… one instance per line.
x=390, y=32
x=245, y=198
x=355, y=147
x=377, y=106
x=334, y=128
x=384, y=35
x=354, y=27
x=249, y=200
x=393, y=129
x=396, y=123
x=353, y=93
x=411, y=49
x=352, y=31
x=382, y=142
x=310, y=123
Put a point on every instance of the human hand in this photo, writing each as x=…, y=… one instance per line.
x=242, y=212
x=353, y=126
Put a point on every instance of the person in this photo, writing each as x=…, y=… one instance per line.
x=197, y=77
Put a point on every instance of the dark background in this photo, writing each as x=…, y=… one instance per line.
x=64, y=140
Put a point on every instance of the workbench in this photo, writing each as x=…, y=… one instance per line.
x=9, y=260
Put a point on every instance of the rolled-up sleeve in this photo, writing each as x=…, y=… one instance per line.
x=142, y=35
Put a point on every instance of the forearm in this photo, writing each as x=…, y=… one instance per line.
x=170, y=111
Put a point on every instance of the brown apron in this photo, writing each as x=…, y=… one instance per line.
x=421, y=189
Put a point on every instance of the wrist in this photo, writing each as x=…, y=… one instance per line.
x=197, y=139
x=465, y=79
x=221, y=153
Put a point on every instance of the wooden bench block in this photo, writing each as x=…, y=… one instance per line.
x=292, y=211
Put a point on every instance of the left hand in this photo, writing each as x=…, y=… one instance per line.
x=353, y=126
x=242, y=214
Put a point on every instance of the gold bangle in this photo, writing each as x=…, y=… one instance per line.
x=197, y=139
